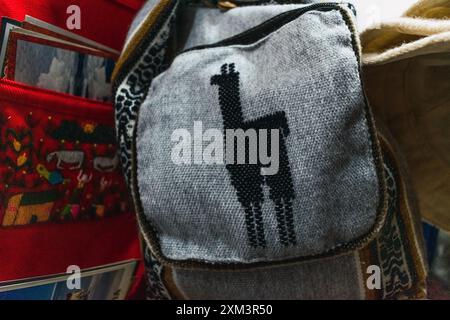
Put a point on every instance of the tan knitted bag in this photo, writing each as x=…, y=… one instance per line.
x=407, y=67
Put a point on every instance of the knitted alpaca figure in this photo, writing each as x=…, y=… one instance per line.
x=247, y=178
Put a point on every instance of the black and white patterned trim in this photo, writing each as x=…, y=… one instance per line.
x=397, y=274
x=156, y=290
x=132, y=90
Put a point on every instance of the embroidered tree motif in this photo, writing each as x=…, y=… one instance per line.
x=247, y=178
x=20, y=143
x=18, y=154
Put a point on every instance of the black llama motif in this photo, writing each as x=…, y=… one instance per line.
x=247, y=178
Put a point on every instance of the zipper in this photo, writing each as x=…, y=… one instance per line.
x=264, y=29
x=279, y=20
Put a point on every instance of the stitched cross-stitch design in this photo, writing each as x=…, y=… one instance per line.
x=63, y=157
x=397, y=272
x=395, y=249
x=247, y=178
x=61, y=170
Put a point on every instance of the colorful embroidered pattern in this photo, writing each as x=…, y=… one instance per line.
x=247, y=178
x=395, y=249
x=396, y=277
x=54, y=169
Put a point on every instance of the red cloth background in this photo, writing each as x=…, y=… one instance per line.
x=105, y=21
x=48, y=248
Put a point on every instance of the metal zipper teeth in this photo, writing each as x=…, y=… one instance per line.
x=260, y=31
x=167, y=11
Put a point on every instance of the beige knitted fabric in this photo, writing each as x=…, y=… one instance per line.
x=406, y=67
x=423, y=29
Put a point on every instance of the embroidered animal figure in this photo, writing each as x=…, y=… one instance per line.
x=83, y=179
x=69, y=157
x=27, y=208
x=72, y=209
x=247, y=178
x=105, y=164
x=98, y=205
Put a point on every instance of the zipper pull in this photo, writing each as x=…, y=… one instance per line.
x=226, y=5
x=220, y=4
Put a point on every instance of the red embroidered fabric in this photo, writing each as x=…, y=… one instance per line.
x=63, y=200
x=104, y=21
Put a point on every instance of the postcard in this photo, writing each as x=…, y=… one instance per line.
x=43, y=27
x=40, y=26
x=7, y=25
x=50, y=63
x=110, y=282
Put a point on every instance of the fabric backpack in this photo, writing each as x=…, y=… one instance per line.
x=321, y=212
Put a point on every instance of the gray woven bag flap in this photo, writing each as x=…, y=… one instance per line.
x=259, y=148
